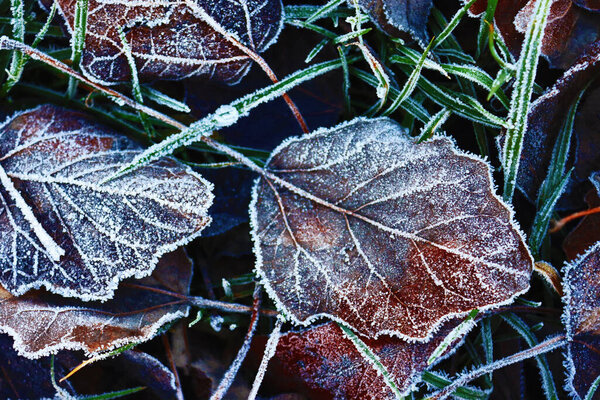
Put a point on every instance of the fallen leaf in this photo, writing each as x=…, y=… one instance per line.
x=57, y=160
x=174, y=39
x=396, y=238
x=587, y=232
x=42, y=323
x=582, y=319
x=569, y=31
x=592, y=5
x=150, y=372
x=329, y=363
x=545, y=119
x=400, y=17
x=21, y=378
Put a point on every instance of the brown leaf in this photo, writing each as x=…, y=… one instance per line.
x=582, y=320
x=397, y=236
x=57, y=161
x=545, y=119
x=174, y=39
x=569, y=31
x=587, y=232
x=43, y=323
x=329, y=363
x=400, y=17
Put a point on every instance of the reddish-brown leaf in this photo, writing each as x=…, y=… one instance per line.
x=569, y=31
x=582, y=320
x=57, y=161
x=387, y=235
x=42, y=323
x=174, y=39
x=587, y=232
x=328, y=362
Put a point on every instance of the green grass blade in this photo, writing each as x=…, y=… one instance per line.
x=316, y=50
x=592, y=391
x=113, y=395
x=455, y=334
x=521, y=96
x=452, y=24
x=18, y=59
x=164, y=100
x=522, y=329
x=372, y=358
x=464, y=392
x=306, y=12
x=325, y=10
x=434, y=124
x=78, y=40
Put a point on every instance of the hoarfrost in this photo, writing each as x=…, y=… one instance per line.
x=456, y=246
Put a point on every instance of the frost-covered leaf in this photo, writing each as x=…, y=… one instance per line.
x=328, y=362
x=42, y=323
x=582, y=320
x=587, y=231
x=144, y=368
x=545, y=119
x=396, y=237
x=397, y=17
x=570, y=29
x=56, y=160
x=174, y=39
x=21, y=378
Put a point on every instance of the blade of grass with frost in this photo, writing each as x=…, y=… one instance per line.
x=452, y=24
x=113, y=395
x=463, y=392
x=313, y=53
x=325, y=10
x=433, y=124
x=487, y=342
x=346, y=75
x=486, y=20
x=410, y=84
x=227, y=115
x=409, y=105
x=18, y=33
x=504, y=75
x=523, y=89
x=164, y=100
x=372, y=359
x=592, y=391
x=455, y=334
x=78, y=39
x=412, y=57
x=306, y=11
x=522, y=329
x=135, y=84
x=315, y=28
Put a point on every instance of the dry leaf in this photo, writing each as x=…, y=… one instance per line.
x=43, y=323
x=57, y=160
x=397, y=238
x=587, y=231
x=329, y=363
x=174, y=39
x=582, y=320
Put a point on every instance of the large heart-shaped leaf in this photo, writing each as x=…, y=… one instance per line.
x=56, y=161
x=328, y=362
x=582, y=319
x=43, y=323
x=174, y=39
x=385, y=234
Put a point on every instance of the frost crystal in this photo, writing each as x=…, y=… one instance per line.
x=389, y=236
x=55, y=160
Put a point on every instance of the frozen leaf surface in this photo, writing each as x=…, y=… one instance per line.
x=400, y=16
x=582, y=320
x=327, y=361
x=174, y=39
x=385, y=234
x=43, y=323
x=56, y=161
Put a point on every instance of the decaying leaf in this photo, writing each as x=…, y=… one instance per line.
x=174, y=39
x=329, y=363
x=582, y=320
x=396, y=238
x=570, y=29
x=57, y=160
x=545, y=119
x=400, y=17
x=21, y=378
x=146, y=369
x=43, y=323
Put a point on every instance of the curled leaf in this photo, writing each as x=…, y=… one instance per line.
x=56, y=160
x=582, y=319
x=387, y=235
x=43, y=323
x=328, y=362
x=174, y=39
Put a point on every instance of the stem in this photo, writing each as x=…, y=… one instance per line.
x=558, y=225
x=544, y=347
x=269, y=353
x=237, y=363
x=169, y=355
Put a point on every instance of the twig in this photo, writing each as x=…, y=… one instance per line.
x=558, y=225
x=169, y=354
x=269, y=353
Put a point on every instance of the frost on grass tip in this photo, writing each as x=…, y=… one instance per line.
x=369, y=228
x=174, y=39
x=55, y=160
x=582, y=320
